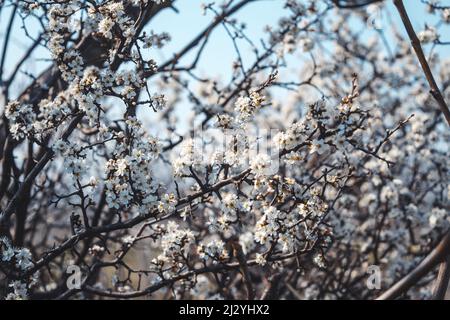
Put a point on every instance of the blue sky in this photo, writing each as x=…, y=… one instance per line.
x=220, y=54
x=182, y=26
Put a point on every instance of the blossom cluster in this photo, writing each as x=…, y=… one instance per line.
x=305, y=173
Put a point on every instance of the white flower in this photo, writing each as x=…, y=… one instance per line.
x=224, y=121
x=167, y=203
x=319, y=260
x=129, y=92
x=93, y=181
x=96, y=249
x=230, y=203
x=214, y=249
x=303, y=209
x=17, y=131
x=247, y=205
x=8, y=254
x=318, y=146
x=20, y=290
x=256, y=98
x=121, y=166
x=23, y=259
x=128, y=239
x=293, y=158
x=246, y=106
x=246, y=241
x=105, y=27
x=159, y=101
x=261, y=165
x=185, y=159
x=60, y=147
x=307, y=44
x=446, y=15
x=428, y=35
x=175, y=241
x=158, y=40
x=243, y=105
x=22, y=119
x=260, y=259
x=438, y=218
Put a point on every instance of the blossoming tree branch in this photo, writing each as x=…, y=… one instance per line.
x=314, y=167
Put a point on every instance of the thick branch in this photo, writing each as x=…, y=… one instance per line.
x=415, y=42
x=430, y=261
x=442, y=280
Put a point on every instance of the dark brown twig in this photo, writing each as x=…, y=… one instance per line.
x=442, y=280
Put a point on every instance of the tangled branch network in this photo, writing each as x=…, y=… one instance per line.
x=308, y=159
